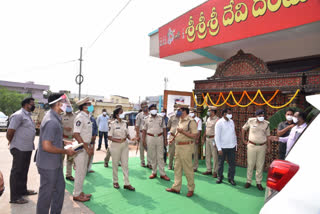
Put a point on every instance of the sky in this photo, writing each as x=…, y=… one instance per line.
x=38, y=35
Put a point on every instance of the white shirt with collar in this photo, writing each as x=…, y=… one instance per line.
x=293, y=136
x=199, y=123
x=225, y=134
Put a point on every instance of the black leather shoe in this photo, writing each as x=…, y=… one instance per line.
x=259, y=186
x=19, y=201
x=248, y=185
x=232, y=182
x=219, y=181
x=30, y=192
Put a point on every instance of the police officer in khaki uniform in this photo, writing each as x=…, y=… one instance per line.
x=211, y=148
x=139, y=129
x=259, y=132
x=193, y=112
x=119, y=134
x=67, y=124
x=108, y=153
x=172, y=126
x=154, y=136
x=83, y=134
x=185, y=135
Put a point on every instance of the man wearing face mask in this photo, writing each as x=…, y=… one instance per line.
x=154, y=136
x=67, y=124
x=259, y=133
x=300, y=119
x=83, y=134
x=21, y=133
x=172, y=126
x=208, y=137
x=185, y=136
x=192, y=114
x=226, y=142
x=103, y=126
x=49, y=157
x=283, y=130
x=139, y=129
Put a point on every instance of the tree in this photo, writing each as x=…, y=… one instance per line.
x=10, y=101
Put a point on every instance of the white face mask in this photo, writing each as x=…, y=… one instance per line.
x=162, y=114
x=121, y=116
x=229, y=116
x=260, y=119
x=104, y=113
x=191, y=114
x=153, y=112
x=289, y=118
x=295, y=120
x=63, y=107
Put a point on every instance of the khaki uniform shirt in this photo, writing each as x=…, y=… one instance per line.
x=173, y=124
x=68, y=122
x=210, y=125
x=140, y=120
x=118, y=130
x=83, y=125
x=154, y=125
x=188, y=124
x=258, y=131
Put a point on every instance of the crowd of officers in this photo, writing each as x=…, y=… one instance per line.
x=180, y=133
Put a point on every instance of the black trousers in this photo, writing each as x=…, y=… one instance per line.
x=51, y=191
x=282, y=150
x=19, y=173
x=101, y=135
x=231, y=155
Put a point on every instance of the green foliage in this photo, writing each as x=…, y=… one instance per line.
x=10, y=101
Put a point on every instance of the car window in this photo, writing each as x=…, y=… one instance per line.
x=2, y=115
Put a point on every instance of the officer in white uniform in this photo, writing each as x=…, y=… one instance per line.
x=83, y=134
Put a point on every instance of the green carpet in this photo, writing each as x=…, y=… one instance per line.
x=150, y=195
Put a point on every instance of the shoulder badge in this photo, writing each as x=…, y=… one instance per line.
x=78, y=123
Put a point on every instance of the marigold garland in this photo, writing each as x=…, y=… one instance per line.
x=237, y=103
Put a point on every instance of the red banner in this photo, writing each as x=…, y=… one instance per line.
x=217, y=21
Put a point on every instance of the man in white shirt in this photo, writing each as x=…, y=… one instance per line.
x=103, y=127
x=300, y=119
x=226, y=142
x=192, y=114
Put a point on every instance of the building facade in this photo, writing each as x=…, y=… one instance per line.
x=35, y=90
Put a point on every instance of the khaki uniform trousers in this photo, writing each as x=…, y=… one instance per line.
x=108, y=155
x=120, y=152
x=81, y=161
x=196, y=156
x=141, y=150
x=211, y=151
x=69, y=162
x=256, y=157
x=183, y=163
x=155, y=152
x=171, y=152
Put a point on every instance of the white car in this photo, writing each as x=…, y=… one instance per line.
x=3, y=121
x=293, y=185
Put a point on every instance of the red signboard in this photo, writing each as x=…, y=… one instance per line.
x=218, y=21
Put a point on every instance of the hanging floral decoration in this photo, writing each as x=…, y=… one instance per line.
x=238, y=103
